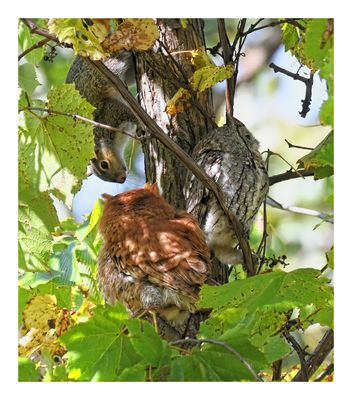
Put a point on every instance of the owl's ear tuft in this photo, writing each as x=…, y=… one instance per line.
x=153, y=187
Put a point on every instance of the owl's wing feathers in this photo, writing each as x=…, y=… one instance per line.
x=169, y=252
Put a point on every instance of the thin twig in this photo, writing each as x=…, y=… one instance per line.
x=34, y=28
x=79, y=117
x=277, y=369
x=307, y=81
x=226, y=346
x=291, y=21
x=227, y=52
x=299, y=210
x=300, y=173
x=301, y=355
x=239, y=39
x=272, y=153
x=290, y=145
x=37, y=45
x=314, y=361
x=262, y=244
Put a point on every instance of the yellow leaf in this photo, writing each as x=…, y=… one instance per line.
x=206, y=77
x=85, y=35
x=43, y=323
x=39, y=311
x=184, y=22
x=178, y=102
x=201, y=59
x=132, y=34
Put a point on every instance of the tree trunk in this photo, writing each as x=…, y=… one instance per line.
x=160, y=73
x=159, y=78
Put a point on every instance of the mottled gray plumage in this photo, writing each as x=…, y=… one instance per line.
x=110, y=110
x=230, y=156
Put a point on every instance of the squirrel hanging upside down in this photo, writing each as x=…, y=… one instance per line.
x=108, y=164
x=153, y=258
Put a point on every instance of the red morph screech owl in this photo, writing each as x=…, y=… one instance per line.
x=153, y=258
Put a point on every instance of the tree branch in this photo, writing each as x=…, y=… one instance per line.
x=226, y=346
x=301, y=354
x=322, y=350
x=239, y=39
x=35, y=46
x=299, y=210
x=79, y=117
x=34, y=28
x=307, y=81
x=290, y=175
x=291, y=21
x=227, y=55
x=290, y=145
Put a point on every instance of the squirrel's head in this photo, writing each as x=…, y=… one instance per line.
x=108, y=165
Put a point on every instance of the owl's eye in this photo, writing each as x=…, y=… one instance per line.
x=104, y=165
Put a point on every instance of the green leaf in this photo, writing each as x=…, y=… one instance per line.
x=26, y=39
x=326, y=113
x=155, y=351
x=321, y=158
x=64, y=263
x=34, y=236
x=136, y=373
x=257, y=307
x=58, y=374
x=330, y=257
x=23, y=296
x=275, y=349
x=62, y=293
x=208, y=365
x=27, y=371
x=71, y=141
x=30, y=280
x=290, y=36
x=86, y=228
x=316, y=45
x=60, y=147
x=27, y=78
x=98, y=350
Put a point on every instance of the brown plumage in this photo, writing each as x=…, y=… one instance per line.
x=153, y=258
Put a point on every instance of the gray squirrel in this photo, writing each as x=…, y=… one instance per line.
x=108, y=164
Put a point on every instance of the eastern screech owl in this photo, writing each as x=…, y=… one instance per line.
x=230, y=156
x=153, y=258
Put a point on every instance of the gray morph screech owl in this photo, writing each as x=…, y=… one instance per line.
x=230, y=156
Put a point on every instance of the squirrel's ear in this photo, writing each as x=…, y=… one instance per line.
x=153, y=187
x=106, y=197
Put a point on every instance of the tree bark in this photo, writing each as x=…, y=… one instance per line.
x=158, y=79
x=160, y=73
